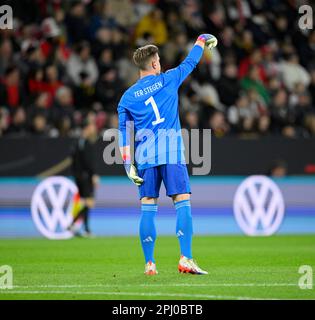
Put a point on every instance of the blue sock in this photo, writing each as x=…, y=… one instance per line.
x=147, y=230
x=184, y=227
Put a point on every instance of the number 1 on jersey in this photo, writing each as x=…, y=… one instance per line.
x=156, y=111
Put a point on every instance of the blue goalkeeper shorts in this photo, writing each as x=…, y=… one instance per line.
x=174, y=176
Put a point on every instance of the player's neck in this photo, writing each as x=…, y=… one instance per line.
x=145, y=73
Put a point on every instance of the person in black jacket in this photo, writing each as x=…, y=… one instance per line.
x=83, y=167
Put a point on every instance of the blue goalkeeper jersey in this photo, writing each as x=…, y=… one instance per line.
x=151, y=107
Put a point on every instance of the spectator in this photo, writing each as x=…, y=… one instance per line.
x=35, y=82
x=4, y=120
x=307, y=51
x=240, y=111
x=270, y=65
x=292, y=72
x=175, y=24
x=103, y=40
x=18, y=126
x=106, y=60
x=119, y=44
x=280, y=28
x=63, y=107
x=76, y=22
x=263, y=126
x=40, y=106
x=310, y=124
x=256, y=103
x=191, y=120
x=303, y=108
x=289, y=131
x=11, y=93
x=192, y=15
x=39, y=126
x=82, y=66
x=51, y=80
x=226, y=43
x=218, y=125
x=64, y=127
x=255, y=59
x=127, y=70
x=32, y=58
x=154, y=24
x=109, y=88
x=228, y=86
x=52, y=47
x=248, y=128
x=215, y=19
x=253, y=81
x=175, y=48
x=274, y=85
x=245, y=44
x=102, y=16
x=6, y=55
x=281, y=115
x=121, y=12
x=278, y=169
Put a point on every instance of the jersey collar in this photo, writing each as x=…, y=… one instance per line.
x=148, y=77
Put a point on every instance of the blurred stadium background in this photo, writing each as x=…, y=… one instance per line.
x=68, y=60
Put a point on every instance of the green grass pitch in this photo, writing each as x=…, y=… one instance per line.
x=112, y=268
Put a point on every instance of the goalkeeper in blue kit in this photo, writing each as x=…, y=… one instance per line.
x=150, y=106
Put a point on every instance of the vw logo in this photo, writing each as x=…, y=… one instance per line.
x=258, y=206
x=51, y=207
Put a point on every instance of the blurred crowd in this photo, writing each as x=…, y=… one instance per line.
x=68, y=60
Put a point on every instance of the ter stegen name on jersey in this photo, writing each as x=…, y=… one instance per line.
x=150, y=89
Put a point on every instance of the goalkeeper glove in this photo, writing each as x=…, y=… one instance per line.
x=133, y=174
x=209, y=40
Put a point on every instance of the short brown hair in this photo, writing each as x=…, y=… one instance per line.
x=142, y=55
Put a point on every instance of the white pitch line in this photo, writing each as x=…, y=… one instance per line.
x=223, y=285
x=159, y=285
x=151, y=294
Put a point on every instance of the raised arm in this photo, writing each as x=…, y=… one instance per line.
x=179, y=74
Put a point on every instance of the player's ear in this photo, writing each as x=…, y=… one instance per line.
x=153, y=64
